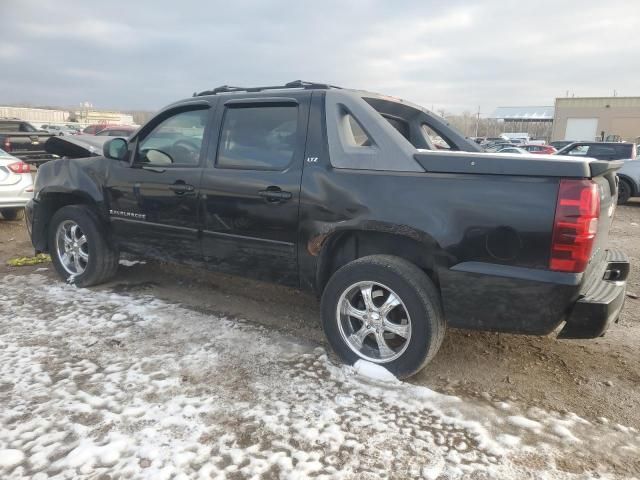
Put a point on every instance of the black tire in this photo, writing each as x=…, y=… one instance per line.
x=624, y=191
x=103, y=255
x=12, y=213
x=417, y=292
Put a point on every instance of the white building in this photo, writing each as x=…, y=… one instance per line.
x=35, y=115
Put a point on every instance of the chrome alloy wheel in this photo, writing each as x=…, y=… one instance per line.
x=374, y=322
x=72, y=247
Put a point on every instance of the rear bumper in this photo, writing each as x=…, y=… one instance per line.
x=600, y=304
x=500, y=298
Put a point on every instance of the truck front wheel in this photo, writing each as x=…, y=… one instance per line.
x=385, y=310
x=80, y=249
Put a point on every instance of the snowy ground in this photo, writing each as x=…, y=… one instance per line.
x=103, y=386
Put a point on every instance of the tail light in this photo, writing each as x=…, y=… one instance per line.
x=6, y=146
x=19, y=167
x=575, y=225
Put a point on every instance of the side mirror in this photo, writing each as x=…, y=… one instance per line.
x=115, y=148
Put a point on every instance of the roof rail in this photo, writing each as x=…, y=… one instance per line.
x=294, y=84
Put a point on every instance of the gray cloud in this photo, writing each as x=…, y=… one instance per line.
x=454, y=55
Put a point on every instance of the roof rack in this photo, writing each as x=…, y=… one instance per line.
x=295, y=84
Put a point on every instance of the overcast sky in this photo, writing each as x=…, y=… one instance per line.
x=452, y=55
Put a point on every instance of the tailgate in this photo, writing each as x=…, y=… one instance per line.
x=604, y=175
x=29, y=142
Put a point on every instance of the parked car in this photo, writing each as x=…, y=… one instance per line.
x=16, y=186
x=494, y=147
x=517, y=150
x=629, y=174
x=117, y=131
x=76, y=128
x=23, y=140
x=342, y=193
x=59, y=130
x=93, y=129
x=539, y=149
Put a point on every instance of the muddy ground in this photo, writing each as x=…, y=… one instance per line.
x=593, y=378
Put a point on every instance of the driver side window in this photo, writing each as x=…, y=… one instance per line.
x=177, y=140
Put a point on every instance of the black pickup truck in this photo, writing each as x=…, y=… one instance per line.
x=23, y=140
x=343, y=193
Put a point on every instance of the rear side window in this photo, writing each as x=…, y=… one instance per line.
x=354, y=133
x=624, y=151
x=439, y=142
x=258, y=138
x=400, y=125
x=602, y=152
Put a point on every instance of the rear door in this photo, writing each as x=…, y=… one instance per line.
x=153, y=203
x=250, y=187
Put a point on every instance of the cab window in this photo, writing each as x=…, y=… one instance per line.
x=176, y=141
x=258, y=137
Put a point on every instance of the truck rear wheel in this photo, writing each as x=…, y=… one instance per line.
x=624, y=191
x=385, y=310
x=80, y=249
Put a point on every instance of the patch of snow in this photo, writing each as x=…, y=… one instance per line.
x=564, y=433
x=523, y=422
x=10, y=457
x=130, y=263
x=94, y=385
x=374, y=371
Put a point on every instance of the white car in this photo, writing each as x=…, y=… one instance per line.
x=518, y=150
x=16, y=186
x=59, y=130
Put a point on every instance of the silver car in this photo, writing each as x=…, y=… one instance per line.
x=16, y=186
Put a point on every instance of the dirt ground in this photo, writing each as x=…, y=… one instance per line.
x=596, y=379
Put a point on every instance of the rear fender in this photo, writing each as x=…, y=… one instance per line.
x=340, y=246
x=635, y=188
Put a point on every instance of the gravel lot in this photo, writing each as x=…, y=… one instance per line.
x=168, y=372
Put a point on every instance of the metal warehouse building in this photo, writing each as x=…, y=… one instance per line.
x=536, y=121
x=597, y=118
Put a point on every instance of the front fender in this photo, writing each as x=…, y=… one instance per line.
x=81, y=177
x=64, y=182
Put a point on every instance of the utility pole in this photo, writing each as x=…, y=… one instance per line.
x=478, y=121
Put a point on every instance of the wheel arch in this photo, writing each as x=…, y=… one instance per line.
x=344, y=246
x=634, y=186
x=49, y=202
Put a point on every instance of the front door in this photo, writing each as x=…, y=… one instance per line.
x=251, y=187
x=153, y=203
